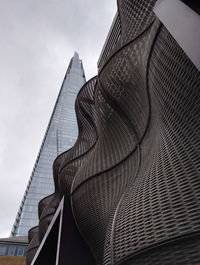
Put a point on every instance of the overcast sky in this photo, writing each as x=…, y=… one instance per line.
x=38, y=38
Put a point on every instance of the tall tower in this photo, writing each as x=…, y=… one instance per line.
x=60, y=135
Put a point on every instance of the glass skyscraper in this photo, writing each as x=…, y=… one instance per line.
x=60, y=136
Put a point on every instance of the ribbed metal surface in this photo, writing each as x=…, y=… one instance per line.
x=112, y=42
x=33, y=244
x=123, y=113
x=135, y=17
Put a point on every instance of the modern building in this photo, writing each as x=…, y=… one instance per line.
x=13, y=250
x=13, y=246
x=60, y=135
x=135, y=196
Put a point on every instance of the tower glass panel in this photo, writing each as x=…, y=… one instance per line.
x=60, y=136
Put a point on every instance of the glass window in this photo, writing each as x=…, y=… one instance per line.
x=11, y=250
x=3, y=250
x=20, y=251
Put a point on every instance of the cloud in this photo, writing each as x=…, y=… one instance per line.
x=37, y=40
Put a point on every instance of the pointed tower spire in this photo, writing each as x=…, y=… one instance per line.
x=60, y=135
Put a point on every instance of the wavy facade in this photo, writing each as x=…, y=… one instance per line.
x=133, y=176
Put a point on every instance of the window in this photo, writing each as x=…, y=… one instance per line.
x=20, y=251
x=3, y=250
x=11, y=250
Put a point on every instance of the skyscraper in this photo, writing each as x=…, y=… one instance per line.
x=60, y=135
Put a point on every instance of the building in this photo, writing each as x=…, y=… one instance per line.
x=13, y=250
x=60, y=136
x=13, y=246
x=134, y=198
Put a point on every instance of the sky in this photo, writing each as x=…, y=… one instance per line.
x=37, y=40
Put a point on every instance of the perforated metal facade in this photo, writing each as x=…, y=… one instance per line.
x=132, y=180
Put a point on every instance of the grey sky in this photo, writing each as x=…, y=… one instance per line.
x=37, y=40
